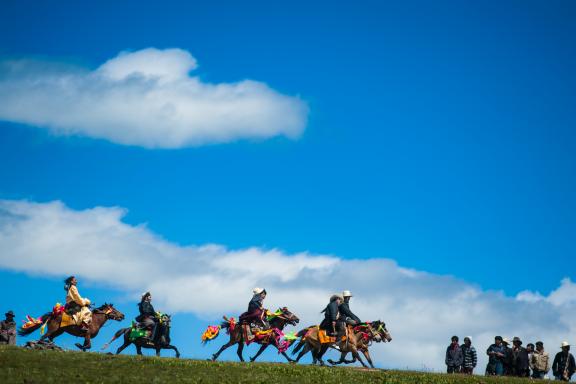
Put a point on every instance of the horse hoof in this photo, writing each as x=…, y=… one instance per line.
x=80, y=346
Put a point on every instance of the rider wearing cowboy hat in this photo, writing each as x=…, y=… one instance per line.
x=347, y=316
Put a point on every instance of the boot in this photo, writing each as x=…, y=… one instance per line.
x=153, y=336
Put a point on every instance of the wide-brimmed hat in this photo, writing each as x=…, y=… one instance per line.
x=516, y=339
x=505, y=340
x=9, y=313
x=336, y=296
x=564, y=344
x=258, y=290
x=347, y=294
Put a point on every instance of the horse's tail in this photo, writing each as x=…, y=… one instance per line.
x=116, y=335
x=212, y=332
x=33, y=324
x=302, y=341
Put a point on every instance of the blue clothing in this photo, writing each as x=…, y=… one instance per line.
x=496, y=363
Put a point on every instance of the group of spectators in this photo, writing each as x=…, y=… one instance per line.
x=511, y=359
x=461, y=358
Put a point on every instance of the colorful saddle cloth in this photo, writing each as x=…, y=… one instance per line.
x=137, y=332
x=324, y=338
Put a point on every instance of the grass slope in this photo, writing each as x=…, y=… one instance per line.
x=18, y=365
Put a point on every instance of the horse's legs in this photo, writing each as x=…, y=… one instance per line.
x=54, y=334
x=157, y=351
x=138, y=349
x=168, y=346
x=366, y=354
x=87, y=344
x=304, y=351
x=223, y=348
x=357, y=357
x=262, y=348
x=239, y=350
x=123, y=347
x=342, y=359
x=287, y=357
x=321, y=353
x=314, y=353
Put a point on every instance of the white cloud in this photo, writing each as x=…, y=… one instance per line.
x=422, y=310
x=145, y=98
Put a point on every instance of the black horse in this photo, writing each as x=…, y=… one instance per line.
x=161, y=341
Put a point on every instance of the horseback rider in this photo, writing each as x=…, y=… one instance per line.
x=147, y=317
x=77, y=306
x=347, y=316
x=256, y=311
x=332, y=315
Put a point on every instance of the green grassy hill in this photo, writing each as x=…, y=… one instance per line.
x=18, y=365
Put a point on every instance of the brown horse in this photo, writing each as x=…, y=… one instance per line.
x=310, y=342
x=372, y=331
x=99, y=317
x=279, y=320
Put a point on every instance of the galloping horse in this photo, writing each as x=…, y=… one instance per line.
x=279, y=320
x=310, y=342
x=374, y=331
x=99, y=317
x=162, y=341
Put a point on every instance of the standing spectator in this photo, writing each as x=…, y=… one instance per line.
x=454, y=356
x=8, y=329
x=507, y=362
x=539, y=362
x=497, y=354
x=520, y=362
x=530, y=350
x=564, y=365
x=469, y=356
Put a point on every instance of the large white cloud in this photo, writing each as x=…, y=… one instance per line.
x=422, y=310
x=145, y=98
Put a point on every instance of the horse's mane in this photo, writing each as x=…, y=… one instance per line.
x=103, y=306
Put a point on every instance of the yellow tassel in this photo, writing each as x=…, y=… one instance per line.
x=43, y=327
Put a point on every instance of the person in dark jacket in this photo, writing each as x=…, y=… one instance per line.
x=454, y=356
x=147, y=317
x=470, y=358
x=332, y=315
x=8, y=329
x=497, y=354
x=520, y=360
x=347, y=316
x=256, y=312
x=564, y=365
x=508, y=369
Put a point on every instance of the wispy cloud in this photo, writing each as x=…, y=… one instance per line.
x=146, y=98
x=421, y=309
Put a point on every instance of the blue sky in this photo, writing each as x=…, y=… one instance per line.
x=439, y=135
